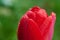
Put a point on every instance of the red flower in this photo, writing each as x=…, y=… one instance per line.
x=36, y=25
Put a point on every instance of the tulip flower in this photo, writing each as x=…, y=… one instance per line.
x=35, y=24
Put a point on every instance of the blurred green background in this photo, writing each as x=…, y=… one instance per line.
x=12, y=10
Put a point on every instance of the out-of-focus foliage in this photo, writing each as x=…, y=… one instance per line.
x=12, y=10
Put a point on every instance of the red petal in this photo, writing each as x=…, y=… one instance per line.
x=46, y=25
x=22, y=28
x=51, y=30
x=33, y=30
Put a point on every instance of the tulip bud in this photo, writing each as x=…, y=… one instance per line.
x=36, y=25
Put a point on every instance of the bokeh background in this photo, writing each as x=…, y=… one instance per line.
x=12, y=10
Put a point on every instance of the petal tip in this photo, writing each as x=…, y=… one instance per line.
x=35, y=8
x=53, y=15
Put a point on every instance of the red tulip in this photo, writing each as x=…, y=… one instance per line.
x=36, y=25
